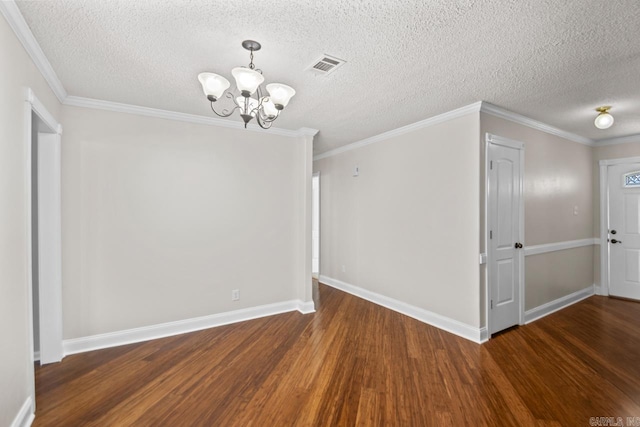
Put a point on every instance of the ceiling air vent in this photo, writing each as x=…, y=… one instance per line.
x=326, y=64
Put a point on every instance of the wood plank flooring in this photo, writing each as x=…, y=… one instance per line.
x=353, y=363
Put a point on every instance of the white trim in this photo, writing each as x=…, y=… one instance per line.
x=32, y=105
x=77, y=101
x=306, y=307
x=308, y=131
x=25, y=415
x=619, y=140
x=604, y=228
x=560, y=246
x=484, y=335
x=598, y=290
x=431, y=121
x=483, y=258
x=146, y=333
x=505, y=142
x=558, y=304
x=28, y=108
x=42, y=112
x=463, y=330
x=22, y=31
x=621, y=161
x=49, y=247
x=534, y=124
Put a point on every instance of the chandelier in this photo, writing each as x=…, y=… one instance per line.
x=252, y=102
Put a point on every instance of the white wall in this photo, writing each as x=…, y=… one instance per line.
x=407, y=227
x=557, y=178
x=16, y=73
x=162, y=219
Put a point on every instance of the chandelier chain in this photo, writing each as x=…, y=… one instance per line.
x=251, y=66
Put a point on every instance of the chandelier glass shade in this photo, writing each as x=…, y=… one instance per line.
x=252, y=102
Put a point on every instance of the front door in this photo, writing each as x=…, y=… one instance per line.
x=624, y=230
x=504, y=239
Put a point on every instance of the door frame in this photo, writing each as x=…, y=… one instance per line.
x=603, y=289
x=315, y=206
x=506, y=142
x=33, y=105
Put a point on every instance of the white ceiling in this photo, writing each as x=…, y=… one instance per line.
x=553, y=61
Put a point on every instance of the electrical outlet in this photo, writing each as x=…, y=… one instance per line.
x=235, y=295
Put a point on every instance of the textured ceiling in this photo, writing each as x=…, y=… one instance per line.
x=554, y=61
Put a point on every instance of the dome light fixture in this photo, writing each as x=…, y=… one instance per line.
x=252, y=102
x=604, y=120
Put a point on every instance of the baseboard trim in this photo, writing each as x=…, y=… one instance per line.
x=477, y=335
x=306, y=307
x=558, y=304
x=599, y=290
x=146, y=333
x=25, y=416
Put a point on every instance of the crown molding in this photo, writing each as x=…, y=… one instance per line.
x=619, y=140
x=534, y=124
x=22, y=31
x=308, y=131
x=77, y=101
x=431, y=121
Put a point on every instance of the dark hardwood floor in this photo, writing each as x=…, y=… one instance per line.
x=356, y=363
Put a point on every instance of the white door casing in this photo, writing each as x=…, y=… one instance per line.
x=624, y=230
x=49, y=248
x=505, y=215
x=315, y=223
x=32, y=106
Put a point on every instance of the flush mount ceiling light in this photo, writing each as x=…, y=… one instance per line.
x=252, y=101
x=604, y=120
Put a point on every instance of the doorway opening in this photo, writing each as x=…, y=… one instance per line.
x=44, y=254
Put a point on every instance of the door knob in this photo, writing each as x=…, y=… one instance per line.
x=518, y=245
x=613, y=231
x=614, y=241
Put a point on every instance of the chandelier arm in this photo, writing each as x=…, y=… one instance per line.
x=263, y=123
x=226, y=112
x=267, y=119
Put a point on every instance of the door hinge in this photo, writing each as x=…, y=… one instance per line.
x=491, y=304
x=491, y=165
x=491, y=234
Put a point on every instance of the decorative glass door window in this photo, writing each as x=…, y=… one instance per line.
x=632, y=179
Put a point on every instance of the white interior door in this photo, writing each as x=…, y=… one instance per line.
x=624, y=230
x=505, y=231
x=49, y=248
